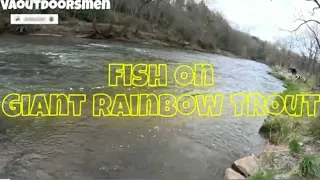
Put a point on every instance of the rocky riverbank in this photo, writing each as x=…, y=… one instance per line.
x=293, y=148
x=242, y=168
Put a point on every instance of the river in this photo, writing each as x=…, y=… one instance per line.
x=184, y=147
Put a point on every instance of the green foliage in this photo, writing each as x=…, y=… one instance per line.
x=263, y=175
x=310, y=166
x=290, y=103
x=315, y=128
x=291, y=90
x=294, y=146
x=267, y=159
x=288, y=82
x=278, y=76
x=279, y=130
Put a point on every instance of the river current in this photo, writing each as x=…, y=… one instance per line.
x=180, y=148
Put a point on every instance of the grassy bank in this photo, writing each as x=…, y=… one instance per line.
x=293, y=148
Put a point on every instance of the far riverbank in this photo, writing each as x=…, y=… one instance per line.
x=111, y=33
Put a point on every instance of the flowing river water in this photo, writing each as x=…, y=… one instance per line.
x=183, y=147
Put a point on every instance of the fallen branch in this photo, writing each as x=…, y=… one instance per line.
x=285, y=150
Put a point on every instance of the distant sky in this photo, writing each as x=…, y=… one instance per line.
x=263, y=18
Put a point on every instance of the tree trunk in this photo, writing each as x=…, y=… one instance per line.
x=138, y=15
x=94, y=22
x=114, y=5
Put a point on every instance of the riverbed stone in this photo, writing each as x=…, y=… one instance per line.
x=3, y=161
x=247, y=165
x=230, y=174
x=43, y=175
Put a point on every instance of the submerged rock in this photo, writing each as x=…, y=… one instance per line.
x=247, y=165
x=230, y=174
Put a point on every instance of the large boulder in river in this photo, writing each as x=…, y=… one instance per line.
x=230, y=174
x=247, y=165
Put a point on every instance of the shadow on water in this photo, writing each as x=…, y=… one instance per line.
x=181, y=147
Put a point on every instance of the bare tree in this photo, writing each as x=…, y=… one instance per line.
x=308, y=42
x=307, y=22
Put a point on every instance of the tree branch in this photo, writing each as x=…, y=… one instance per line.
x=316, y=1
x=314, y=10
x=315, y=35
x=305, y=22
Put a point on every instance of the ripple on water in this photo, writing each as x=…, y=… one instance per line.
x=101, y=45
